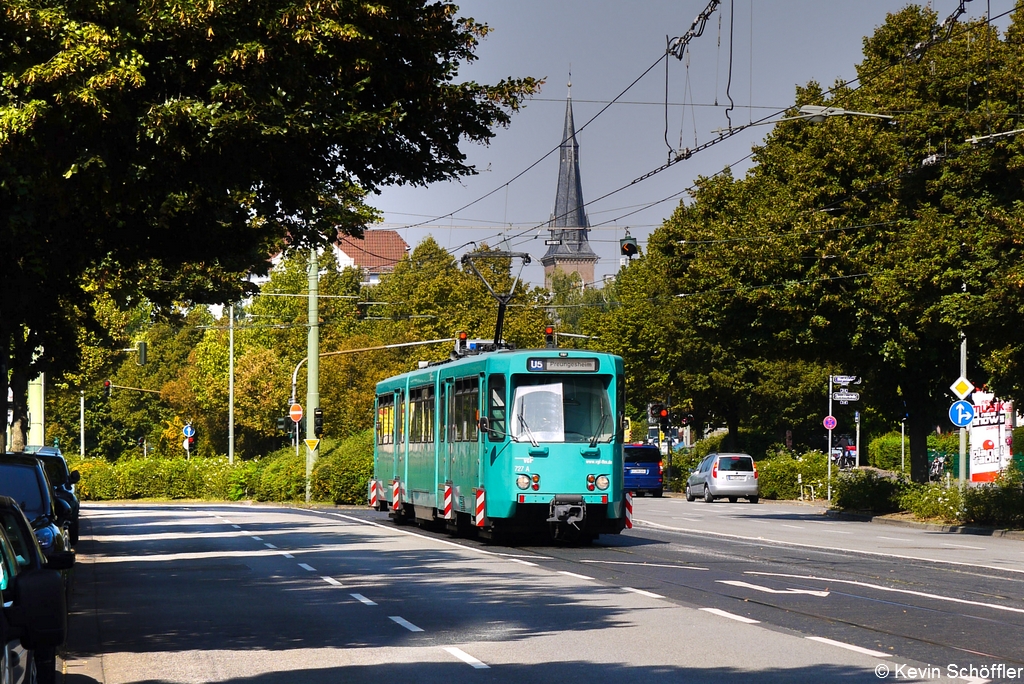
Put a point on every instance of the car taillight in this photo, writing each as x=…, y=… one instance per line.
x=714, y=470
x=755, y=471
x=661, y=467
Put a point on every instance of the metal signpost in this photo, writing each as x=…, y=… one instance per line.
x=189, y=432
x=830, y=425
x=295, y=413
x=962, y=388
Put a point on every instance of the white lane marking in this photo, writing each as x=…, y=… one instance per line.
x=362, y=599
x=964, y=546
x=225, y=520
x=522, y=562
x=817, y=547
x=642, y=592
x=645, y=565
x=903, y=539
x=257, y=538
x=483, y=552
x=237, y=527
x=466, y=658
x=850, y=647
x=994, y=606
x=405, y=623
x=269, y=545
x=676, y=517
x=287, y=555
x=731, y=616
x=330, y=580
x=573, y=574
x=794, y=527
x=307, y=567
x=769, y=590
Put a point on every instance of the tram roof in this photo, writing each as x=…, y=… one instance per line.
x=483, y=357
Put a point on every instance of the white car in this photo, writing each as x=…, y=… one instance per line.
x=729, y=476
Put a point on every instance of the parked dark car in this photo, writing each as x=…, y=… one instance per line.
x=62, y=481
x=34, y=598
x=23, y=479
x=642, y=469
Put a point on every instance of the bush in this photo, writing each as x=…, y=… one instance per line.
x=781, y=475
x=934, y=501
x=868, y=490
x=1000, y=503
x=282, y=477
x=344, y=469
x=884, y=452
x=99, y=479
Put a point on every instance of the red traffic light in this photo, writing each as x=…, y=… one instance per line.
x=107, y=386
x=663, y=413
x=463, y=336
x=549, y=330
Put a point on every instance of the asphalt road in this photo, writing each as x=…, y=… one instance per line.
x=695, y=592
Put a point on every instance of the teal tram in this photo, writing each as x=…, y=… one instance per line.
x=504, y=442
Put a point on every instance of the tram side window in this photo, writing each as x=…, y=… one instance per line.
x=465, y=421
x=496, y=410
x=386, y=419
x=399, y=421
x=421, y=414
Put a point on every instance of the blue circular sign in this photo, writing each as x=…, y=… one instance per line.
x=188, y=431
x=961, y=413
x=829, y=423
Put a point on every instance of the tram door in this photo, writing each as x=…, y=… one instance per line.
x=447, y=422
x=399, y=443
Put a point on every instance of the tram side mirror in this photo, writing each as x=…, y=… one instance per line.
x=485, y=426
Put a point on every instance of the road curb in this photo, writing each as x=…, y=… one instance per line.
x=935, y=527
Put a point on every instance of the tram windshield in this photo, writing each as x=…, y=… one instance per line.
x=552, y=409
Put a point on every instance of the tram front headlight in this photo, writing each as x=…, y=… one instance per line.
x=602, y=482
x=523, y=482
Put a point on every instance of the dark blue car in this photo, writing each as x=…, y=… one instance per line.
x=643, y=469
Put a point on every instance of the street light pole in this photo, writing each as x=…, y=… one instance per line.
x=962, y=469
x=313, y=356
x=231, y=385
x=828, y=447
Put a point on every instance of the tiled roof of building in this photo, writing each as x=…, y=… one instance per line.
x=379, y=250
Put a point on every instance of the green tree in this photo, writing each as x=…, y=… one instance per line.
x=170, y=147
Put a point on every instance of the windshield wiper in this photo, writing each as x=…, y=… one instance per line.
x=529, y=433
x=600, y=426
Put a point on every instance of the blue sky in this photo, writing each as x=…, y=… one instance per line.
x=776, y=45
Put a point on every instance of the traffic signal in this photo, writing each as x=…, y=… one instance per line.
x=627, y=247
x=549, y=337
x=654, y=413
x=142, y=354
x=282, y=423
x=461, y=338
x=192, y=442
x=318, y=421
x=664, y=419
x=107, y=386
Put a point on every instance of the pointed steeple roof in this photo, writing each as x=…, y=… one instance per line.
x=569, y=221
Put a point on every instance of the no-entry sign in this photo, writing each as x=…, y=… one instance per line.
x=295, y=412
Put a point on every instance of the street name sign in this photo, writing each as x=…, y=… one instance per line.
x=295, y=412
x=961, y=413
x=962, y=387
x=844, y=379
x=846, y=396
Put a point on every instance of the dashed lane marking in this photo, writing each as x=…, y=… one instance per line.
x=466, y=658
x=574, y=574
x=850, y=647
x=362, y=599
x=964, y=546
x=269, y=545
x=645, y=565
x=258, y=538
x=287, y=555
x=793, y=527
x=405, y=623
x=731, y=616
x=307, y=567
x=522, y=562
x=237, y=527
x=902, y=539
x=330, y=580
x=642, y=592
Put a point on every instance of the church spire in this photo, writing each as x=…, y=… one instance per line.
x=569, y=224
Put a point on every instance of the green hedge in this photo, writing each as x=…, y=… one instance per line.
x=884, y=452
x=340, y=476
x=781, y=475
x=868, y=490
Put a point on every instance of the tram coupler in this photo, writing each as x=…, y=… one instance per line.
x=568, y=509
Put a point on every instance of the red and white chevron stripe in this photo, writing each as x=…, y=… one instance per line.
x=396, y=494
x=628, y=500
x=373, y=493
x=447, y=502
x=481, y=503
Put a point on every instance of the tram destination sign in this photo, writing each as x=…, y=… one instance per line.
x=561, y=365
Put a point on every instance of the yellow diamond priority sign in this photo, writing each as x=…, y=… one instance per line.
x=962, y=387
x=312, y=444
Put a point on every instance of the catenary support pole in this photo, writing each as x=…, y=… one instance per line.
x=313, y=356
x=231, y=385
x=81, y=423
x=828, y=447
